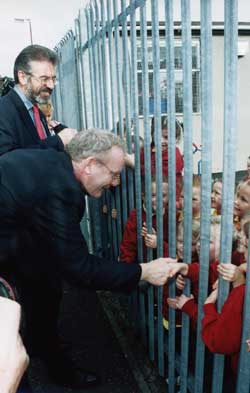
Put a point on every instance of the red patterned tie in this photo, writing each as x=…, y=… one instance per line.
x=38, y=123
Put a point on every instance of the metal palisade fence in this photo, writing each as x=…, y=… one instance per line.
x=128, y=62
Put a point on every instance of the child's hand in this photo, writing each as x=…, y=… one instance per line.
x=232, y=273
x=179, y=301
x=248, y=345
x=183, y=299
x=144, y=230
x=114, y=214
x=212, y=298
x=151, y=241
x=180, y=282
x=105, y=209
x=172, y=302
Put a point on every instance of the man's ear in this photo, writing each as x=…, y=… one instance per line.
x=22, y=78
x=88, y=165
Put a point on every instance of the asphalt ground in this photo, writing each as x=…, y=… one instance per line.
x=102, y=341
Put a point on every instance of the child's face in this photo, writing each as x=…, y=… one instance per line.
x=196, y=201
x=216, y=196
x=154, y=196
x=180, y=242
x=214, y=245
x=242, y=201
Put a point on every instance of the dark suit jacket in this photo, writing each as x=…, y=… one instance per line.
x=17, y=129
x=39, y=195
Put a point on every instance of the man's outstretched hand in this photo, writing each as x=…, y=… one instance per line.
x=158, y=271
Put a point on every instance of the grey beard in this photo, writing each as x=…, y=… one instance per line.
x=40, y=100
x=35, y=99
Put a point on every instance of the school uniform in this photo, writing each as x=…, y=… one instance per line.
x=221, y=331
x=128, y=246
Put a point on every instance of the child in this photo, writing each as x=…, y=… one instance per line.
x=238, y=253
x=242, y=201
x=164, y=143
x=128, y=246
x=188, y=304
x=215, y=324
x=179, y=159
x=53, y=125
x=179, y=255
x=47, y=109
x=196, y=198
x=216, y=196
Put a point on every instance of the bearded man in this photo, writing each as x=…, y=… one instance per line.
x=22, y=124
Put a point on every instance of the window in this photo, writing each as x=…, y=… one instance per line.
x=163, y=76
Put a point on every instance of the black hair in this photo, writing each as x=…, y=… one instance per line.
x=33, y=53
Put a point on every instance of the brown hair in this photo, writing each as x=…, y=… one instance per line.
x=164, y=124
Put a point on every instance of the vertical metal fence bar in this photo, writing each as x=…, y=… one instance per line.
x=99, y=79
x=243, y=380
x=206, y=157
x=188, y=169
x=95, y=75
x=79, y=72
x=56, y=96
x=120, y=113
x=82, y=118
x=85, y=119
x=138, y=191
x=169, y=43
x=127, y=97
x=103, y=56
x=105, y=106
x=82, y=73
x=61, y=92
x=90, y=56
x=158, y=136
x=229, y=159
x=116, y=202
x=94, y=205
x=147, y=160
x=230, y=87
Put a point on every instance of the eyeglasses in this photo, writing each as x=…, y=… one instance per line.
x=112, y=173
x=44, y=80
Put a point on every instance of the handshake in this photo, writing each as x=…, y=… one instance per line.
x=158, y=271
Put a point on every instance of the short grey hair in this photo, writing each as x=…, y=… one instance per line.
x=94, y=142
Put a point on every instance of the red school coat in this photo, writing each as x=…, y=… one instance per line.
x=128, y=246
x=191, y=307
x=221, y=332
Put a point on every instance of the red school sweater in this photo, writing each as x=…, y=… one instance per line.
x=221, y=332
x=128, y=246
x=191, y=307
